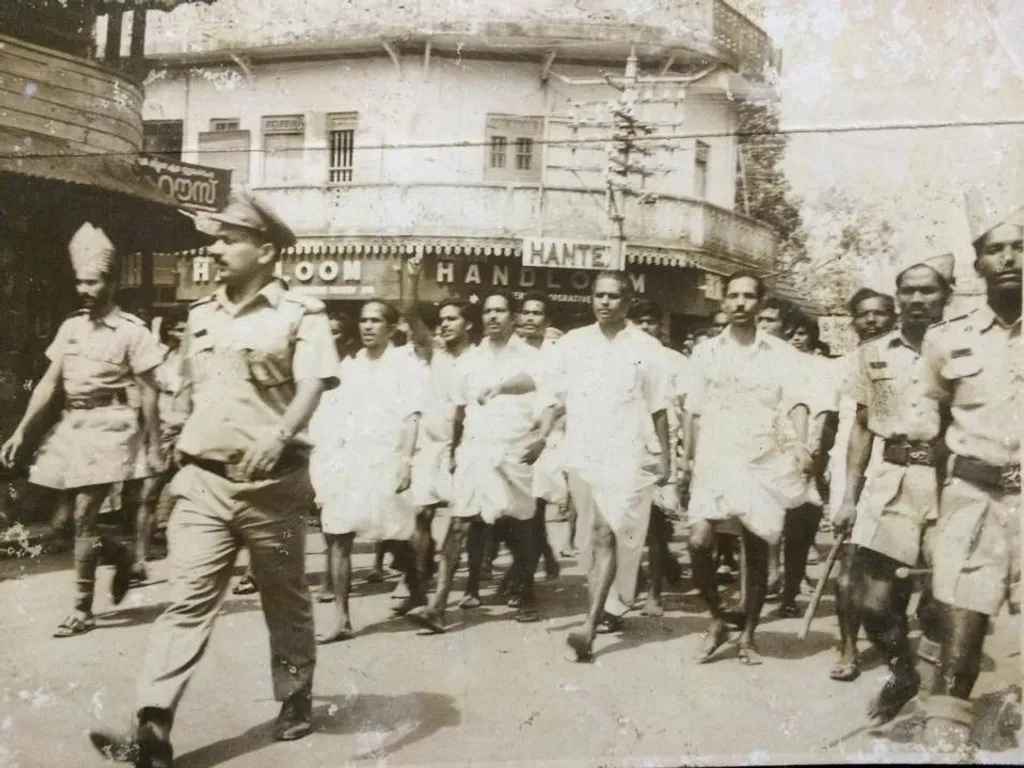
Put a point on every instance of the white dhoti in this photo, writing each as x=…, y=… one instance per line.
x=431, y=473
x=755, y=493
x=624, y=504
x=549, y=478
x=355, y=488
x=492, y=481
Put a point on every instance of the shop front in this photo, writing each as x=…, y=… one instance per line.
x=343, y=274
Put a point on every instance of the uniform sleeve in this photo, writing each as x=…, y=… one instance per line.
x=144, y=353
x=857, y=385
x=58, y=346
x=933, y=359
x=315, y=356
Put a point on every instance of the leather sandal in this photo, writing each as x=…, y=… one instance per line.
x=75, y=625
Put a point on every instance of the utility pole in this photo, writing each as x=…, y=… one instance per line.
x=630, y=141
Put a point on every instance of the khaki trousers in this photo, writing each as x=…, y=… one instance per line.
x=212, y=519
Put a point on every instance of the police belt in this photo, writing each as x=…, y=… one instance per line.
x=1005, y=479
x=906, y=452
x=291, y=460
x=116, y=397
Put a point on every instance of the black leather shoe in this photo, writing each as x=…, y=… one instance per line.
x=295, y=719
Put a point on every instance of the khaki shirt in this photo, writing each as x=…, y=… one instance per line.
x=242, y=363
x=887, y=378
x=99, y=357
x=975, y=365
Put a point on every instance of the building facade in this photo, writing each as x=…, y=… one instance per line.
x=433, y=149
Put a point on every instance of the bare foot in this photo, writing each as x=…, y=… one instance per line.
x=342, y=632
x=469, y=602
x=748, y=654
x=581, y=645
x=652, y=608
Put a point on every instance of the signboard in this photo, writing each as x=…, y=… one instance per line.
x=559, y=285
x=557, y=253
x=321, y=272
x=193, y=187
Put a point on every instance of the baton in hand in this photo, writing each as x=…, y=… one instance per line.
x=819, y=589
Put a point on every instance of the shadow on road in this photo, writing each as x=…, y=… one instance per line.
x=385, y=724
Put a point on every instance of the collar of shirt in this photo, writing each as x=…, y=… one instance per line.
x=110, y=319
x=271, y=293
x=895, y=338
x=762, y=340
x=987, y=318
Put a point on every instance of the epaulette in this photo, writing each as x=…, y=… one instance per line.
x=311, y=305
x=131, y=318
x=947, y=322
x=77, y=313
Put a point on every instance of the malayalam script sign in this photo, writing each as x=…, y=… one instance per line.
x=194, y=187
x=558, y=253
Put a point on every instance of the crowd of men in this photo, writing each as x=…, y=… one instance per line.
x=259, y=407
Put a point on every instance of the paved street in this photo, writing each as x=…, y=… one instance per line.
x=490, y=692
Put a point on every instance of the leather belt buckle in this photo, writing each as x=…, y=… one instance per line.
x=919, y=454
x=1009, y=478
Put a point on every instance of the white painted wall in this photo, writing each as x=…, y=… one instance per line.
x=446, y=104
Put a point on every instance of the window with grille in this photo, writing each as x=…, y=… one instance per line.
x=524, y=154
x=341, y=144
x=511, y=145
x=224, y=124
x=284, y=146
x=499, y=145
x=700, y=177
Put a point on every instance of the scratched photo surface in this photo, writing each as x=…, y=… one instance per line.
x=510, y=382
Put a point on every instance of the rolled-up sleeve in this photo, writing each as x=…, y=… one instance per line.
x=58, y=346
x=144, y=353
x=655, y=379
x=315, y=355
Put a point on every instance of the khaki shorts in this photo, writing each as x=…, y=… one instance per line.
x=896, y=504
x=977, y=548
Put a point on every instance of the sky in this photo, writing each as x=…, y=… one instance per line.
x=860, y=62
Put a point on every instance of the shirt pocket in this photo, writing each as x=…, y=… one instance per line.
x=91, y=359
x=200, y=356
x=270, y=364
x=967, y=375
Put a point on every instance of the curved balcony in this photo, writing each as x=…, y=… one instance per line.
x=594, y=30
x=506, y=212
x=50, y=101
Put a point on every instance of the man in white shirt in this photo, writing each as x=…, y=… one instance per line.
x=365, y=434
x=608, y=378
x=494, y=445
x=748, y=470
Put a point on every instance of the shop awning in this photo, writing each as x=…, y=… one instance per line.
x=61, y=191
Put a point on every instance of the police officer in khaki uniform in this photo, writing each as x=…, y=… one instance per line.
x=974, y=365
x=257, y=359
x=900, y=494
x=96, y=356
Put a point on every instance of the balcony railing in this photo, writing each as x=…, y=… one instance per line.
x=511, y=212
x=282, y=24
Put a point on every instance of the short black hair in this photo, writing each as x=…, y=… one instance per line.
x=863, y=294
x=642, y=308
x=171, y=318
x=749, y=276
x=946, y=285
x=536, y=296
x=391, y=315
x=464, y=307
x=510, y=300
x=802, y=321
x=613, y=274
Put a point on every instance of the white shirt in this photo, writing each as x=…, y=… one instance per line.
x=610, y=389
x=505, y=418
x=743, y=393
x=372, y=403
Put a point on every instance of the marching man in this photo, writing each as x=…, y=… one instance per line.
x=899, y=500
x=974, y=366
x=97, y=354
x=609, y=378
